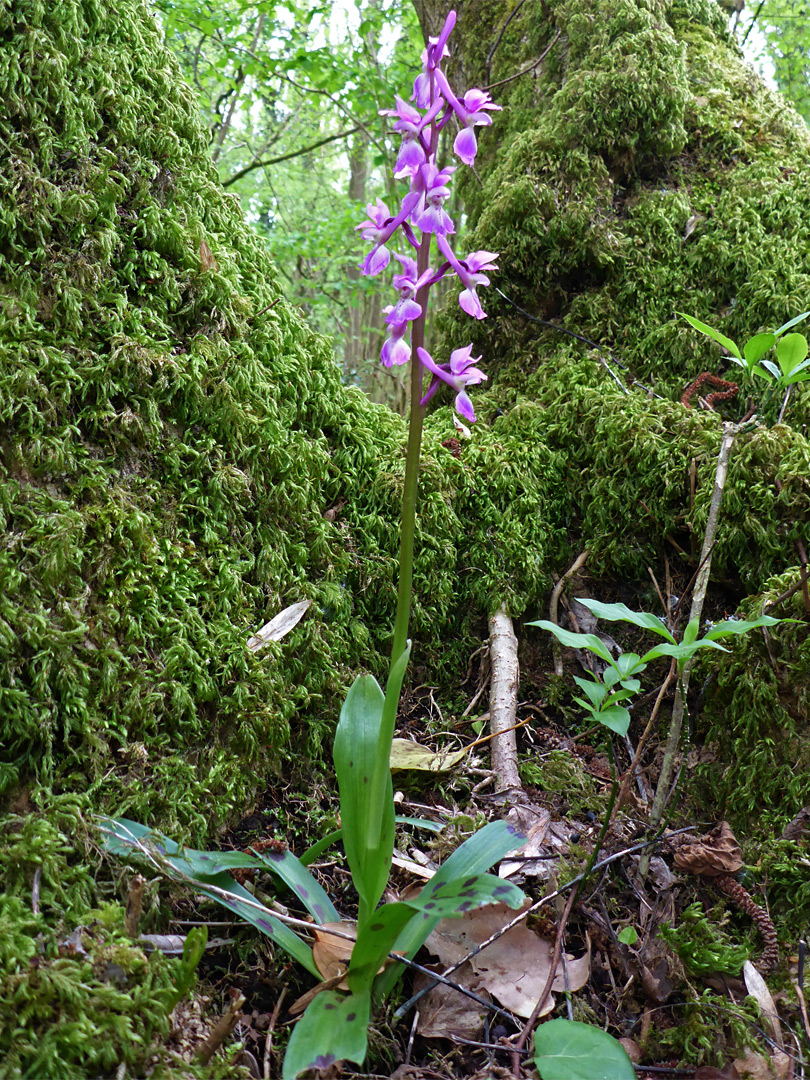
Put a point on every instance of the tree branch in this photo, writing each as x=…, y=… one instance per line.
x=286, y=157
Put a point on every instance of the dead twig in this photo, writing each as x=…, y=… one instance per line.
x=222, y=1030
x=553, y=607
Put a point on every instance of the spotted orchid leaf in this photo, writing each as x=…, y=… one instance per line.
x=333, y=1028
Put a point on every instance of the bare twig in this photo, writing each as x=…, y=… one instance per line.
x=556, y=649
x=531, y=67
x=271, y=1027
x=698, y=598
x=287, y=157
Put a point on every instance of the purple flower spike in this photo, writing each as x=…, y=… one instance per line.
x=380, y=227
x=459, y=374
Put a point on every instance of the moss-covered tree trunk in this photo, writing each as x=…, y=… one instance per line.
x=639, y=169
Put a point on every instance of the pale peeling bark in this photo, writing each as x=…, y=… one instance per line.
x=503, y=699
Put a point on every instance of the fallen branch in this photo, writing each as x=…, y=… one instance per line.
x=503, y=699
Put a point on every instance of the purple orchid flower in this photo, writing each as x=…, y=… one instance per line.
x=395, y=349
x=431, y=58
x=469, y=271
x=431, y=183
x=459, y=374
x=410, y=123
x=380, y=227
x=470, y=113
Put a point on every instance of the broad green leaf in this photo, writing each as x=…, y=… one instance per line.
x=442, y=899
x=628, y=664
x=727, y=343
x=473, y=857
x=682, y=652
x=738, y=626
x=622, y=694
x=570, y=1050
x=122, y=837
x=790, y=352
x=596, y=691
x=756, y=347
x=691, y=632
x=615, y=717
x=575, y=641
x=333, y=1028
x=770, y=374
x=620, y=612
x=791, y=323
x=628, y=936
x=367, y=820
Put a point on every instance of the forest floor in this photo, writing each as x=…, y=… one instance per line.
x=669, y=960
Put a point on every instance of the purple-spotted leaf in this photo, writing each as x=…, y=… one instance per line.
x=130, y=840
x=286, y=867
x=334, y=1028
x=474, y=857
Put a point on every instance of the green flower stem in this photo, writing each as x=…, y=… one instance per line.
x=416, y=423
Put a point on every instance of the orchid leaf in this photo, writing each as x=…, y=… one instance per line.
x=333, y=1028
x=438, y=899
x=571, y=1050
x=473, y=857
x=128, y=838
x=620, y=612
x=771, y=368
x=727, y=343
x=286, y=867
x=575, y=641
x=691, y=632
x=368, y=823
x=318, y=848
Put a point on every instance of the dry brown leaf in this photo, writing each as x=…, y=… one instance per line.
x=444, y=1013
x=514, y=968
x=207, y=260
x=757, y=988
x=278, y=626
x=632, y=1049
x=715, y=853
x=332, y=953
x=752, y=1066
x=525, y=861
x=406, y=754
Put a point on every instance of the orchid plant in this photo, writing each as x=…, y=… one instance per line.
x=334, y=1025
